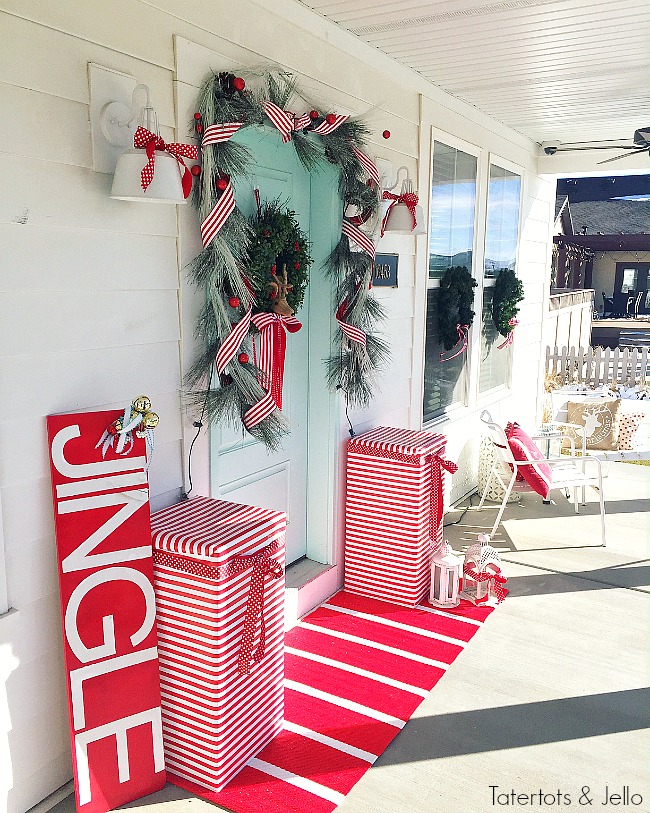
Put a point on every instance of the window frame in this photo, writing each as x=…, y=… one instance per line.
x=493, y=159
x=455, y=410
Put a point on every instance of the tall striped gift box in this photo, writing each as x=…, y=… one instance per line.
x=393, y=512
x=219, y=580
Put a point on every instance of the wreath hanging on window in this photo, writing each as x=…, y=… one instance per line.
x=508, y=292
x=455, y=313
x=232, y=267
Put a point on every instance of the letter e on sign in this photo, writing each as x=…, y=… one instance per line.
x=103, y=538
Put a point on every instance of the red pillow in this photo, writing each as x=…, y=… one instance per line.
x=539, y=476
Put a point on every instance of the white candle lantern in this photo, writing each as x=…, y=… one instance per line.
x=480, y=558
x=445, y=577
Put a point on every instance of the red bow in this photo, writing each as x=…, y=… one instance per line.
x=495, y=583
x=462, y=331
x=273, y=348
x=510, y=338
x=262, y=565
x=409, y=198
x=145, y=139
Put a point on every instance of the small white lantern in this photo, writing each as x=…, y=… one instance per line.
x=480, y=558
x=445, y=577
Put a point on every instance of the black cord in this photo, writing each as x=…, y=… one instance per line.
x=347, y=415
x=465, y=510
x=199, y=425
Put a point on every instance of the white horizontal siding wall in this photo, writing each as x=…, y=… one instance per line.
x=90, y=286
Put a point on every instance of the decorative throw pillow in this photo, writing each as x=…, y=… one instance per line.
x=628, y=424
x=600, y=417
x=538, y=476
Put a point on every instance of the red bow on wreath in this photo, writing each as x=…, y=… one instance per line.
x=409, y=198
x=145, y=139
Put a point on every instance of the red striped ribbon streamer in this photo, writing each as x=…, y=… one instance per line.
x=218, y=133
x=362, y=240
x=411, y=201
x=437, y=491
x=462, y=340
x=262, y=565
x=145, y=139
x=285, y=121
x=259, y=411
x=368, y=164
x=272, y=349
x=353, y=333
x=233, y=341
x=495, y=583
x=222, y=210
x=325, y=128
x=511, y=336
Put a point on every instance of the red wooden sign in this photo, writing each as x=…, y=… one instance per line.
x=103, y=534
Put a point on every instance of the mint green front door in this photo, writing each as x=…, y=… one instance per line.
x=242, y=469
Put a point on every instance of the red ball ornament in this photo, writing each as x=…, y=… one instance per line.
x=296, y=266
x=313, y=115
x=274, y=268
x=296, y=246
x=266, y=233
x=243, y=358
x=199, y=128
x=222, y=184
x=234, y=302
x=196, y=170
x=238, y=83
x=330, y=118
x=386, y=134
x=197, y=117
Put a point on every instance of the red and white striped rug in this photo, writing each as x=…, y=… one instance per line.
x=356, y=670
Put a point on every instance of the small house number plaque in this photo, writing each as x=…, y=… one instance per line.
x=385, y=271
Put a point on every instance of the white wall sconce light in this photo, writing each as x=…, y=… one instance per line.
x=126, y=140
x=404, y=214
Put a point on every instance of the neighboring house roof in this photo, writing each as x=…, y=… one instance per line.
x=560, y=202
x=563, y=221
x=611, y=216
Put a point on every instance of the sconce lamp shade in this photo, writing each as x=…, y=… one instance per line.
x=400, y=219
x=165, y=186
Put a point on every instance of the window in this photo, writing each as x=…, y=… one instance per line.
x=501, y=238
x=451, y=243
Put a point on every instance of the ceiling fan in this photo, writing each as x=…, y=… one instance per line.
x=641, y=141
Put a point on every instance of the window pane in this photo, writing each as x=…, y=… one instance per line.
x=495, y=363
x=629, y=280
x=501, y=236
x=453, y=199
x=502, y=229
x=444, y=382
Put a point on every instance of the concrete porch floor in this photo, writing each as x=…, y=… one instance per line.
x=551, y=695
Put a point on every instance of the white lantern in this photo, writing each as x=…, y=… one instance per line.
x=445, y=577
x=481, y=558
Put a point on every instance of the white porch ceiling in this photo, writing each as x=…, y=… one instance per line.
x=554, y=70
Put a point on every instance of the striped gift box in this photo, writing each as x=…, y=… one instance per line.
x=392, y=513
x=214, y=717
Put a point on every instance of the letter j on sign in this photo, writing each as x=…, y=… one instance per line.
x=103, y=537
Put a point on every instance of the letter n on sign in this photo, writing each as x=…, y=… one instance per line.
x=103, y=537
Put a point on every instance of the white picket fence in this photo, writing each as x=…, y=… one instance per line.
x=598, y=365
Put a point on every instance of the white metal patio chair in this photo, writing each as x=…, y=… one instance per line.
x=568, y=472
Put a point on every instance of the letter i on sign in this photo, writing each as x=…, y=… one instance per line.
x=103, y=537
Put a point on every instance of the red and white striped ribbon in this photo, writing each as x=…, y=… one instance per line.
x=285, y=121
x=145, y=139
x=462, y=341
x=355, y=234
x=222, y=210
x=368, y=164
x=355, y=334
x=218, y=133
x=510, y=338
x=325, y=127
x=437, y=492
x=233, y=342
x=272, y=349
x=259, y=411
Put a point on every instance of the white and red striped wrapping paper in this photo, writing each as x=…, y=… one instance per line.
x=214, y=718
x=393, y=498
